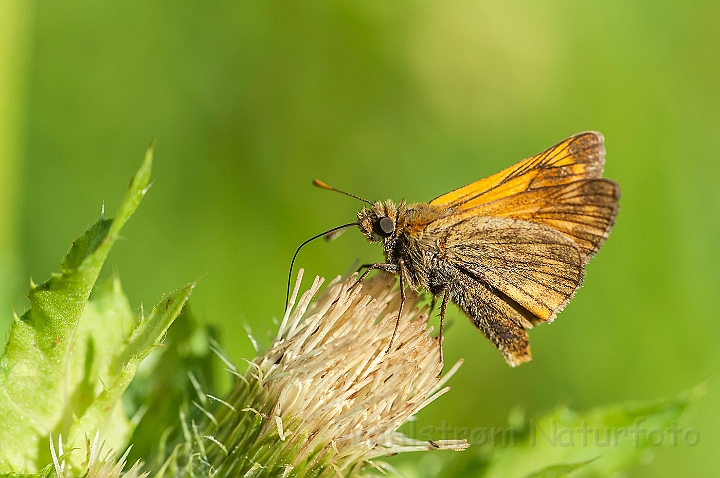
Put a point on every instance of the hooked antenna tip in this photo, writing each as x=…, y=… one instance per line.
x=321, y=184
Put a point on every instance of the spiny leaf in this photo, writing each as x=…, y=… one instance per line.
x=150, y=331
x=36, y=384
x=105, y=411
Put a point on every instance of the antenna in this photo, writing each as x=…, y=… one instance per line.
x=320, y=184
x=292, y=263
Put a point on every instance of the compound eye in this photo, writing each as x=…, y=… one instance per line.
x=385, y=227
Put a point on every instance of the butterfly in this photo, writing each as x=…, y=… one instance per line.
x=509, y=250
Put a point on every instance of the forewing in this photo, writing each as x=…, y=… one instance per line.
x=531, y=267
x=581, y=156
x=561, y=188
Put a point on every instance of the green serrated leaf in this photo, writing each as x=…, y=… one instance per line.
x=150, y=331
x=107, y=405
x=103, y=329
x=85, y=245
x=598, y=442
x=36, y=370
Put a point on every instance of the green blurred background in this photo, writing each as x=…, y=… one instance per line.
x=249, y=101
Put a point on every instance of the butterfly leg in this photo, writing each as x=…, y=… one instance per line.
x=364, y=266
x=433, y=303
x=402, y=303
x=391, y=268
x=443, y=307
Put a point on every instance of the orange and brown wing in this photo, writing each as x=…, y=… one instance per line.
x=561, y=188
x=584, y=210
x=581, y=156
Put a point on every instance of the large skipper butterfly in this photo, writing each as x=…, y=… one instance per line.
x=509, y=250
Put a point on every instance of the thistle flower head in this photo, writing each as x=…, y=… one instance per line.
x=328, y=396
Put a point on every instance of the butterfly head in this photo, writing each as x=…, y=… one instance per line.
x=379, y=222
